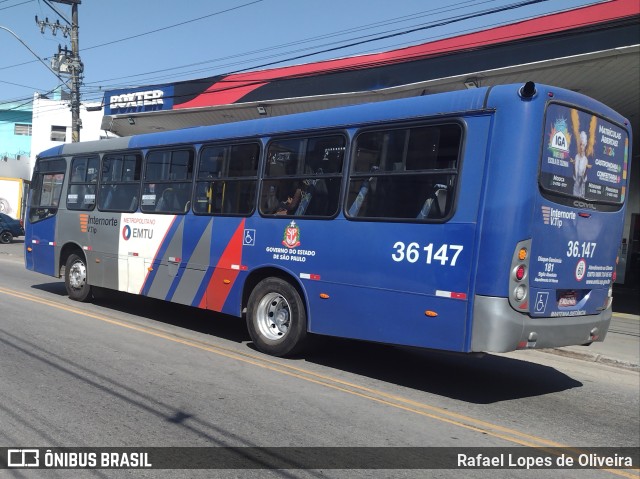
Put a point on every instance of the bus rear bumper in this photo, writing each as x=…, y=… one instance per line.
x=498, y=328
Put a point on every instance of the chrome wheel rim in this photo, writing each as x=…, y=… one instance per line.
x=78, y=275
x=273, y=316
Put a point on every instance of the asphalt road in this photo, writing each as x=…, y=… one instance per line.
x=126, y=371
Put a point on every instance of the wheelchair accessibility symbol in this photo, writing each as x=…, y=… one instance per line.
x=249, y=238
x=541, y=302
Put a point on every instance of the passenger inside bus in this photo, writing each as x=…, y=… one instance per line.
x=290, y=205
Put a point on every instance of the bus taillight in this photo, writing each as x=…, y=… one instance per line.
x=522, y=254
x=518, y=284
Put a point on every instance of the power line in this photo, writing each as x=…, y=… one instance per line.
x=353, y=42
x=330, y=47
x=173, y=26
x=240, y=83
x=138, y=35
x=308, y=40
x=57, y=12
x=16, y=5
x=381, y=23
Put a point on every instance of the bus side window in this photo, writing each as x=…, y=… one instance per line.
x=81, y=194
x=168, y=201
x=414, y=178
x=120, y=183
x=227, y=179
x=303, y=176
x=435, y=205
x=167, y=181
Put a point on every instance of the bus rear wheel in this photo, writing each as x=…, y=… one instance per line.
x=75, y=278
x=276, y=318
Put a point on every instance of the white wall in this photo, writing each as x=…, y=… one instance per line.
x=15, y=167
x=47, y=113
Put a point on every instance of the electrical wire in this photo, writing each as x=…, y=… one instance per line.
x=173, y=26
x=334, y=48
x=16, y=5
x=336, y=45
x=297, y=57
x=296, y=43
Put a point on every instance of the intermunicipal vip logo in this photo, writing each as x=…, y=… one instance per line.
x=546, y=214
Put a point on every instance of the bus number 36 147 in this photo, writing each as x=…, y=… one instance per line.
x=447, y=254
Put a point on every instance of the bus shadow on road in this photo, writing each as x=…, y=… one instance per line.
x=475, y=379
x=197, y=320
x=478, y=379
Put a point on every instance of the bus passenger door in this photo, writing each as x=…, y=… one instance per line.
x=44, y=198
x=39, y=239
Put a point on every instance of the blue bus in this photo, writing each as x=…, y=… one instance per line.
x=484, y=220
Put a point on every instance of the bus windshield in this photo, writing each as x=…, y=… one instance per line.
x=584, y=157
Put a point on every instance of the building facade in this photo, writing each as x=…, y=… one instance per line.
x=15, y=140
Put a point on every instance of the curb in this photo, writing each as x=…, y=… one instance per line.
x=593, y=357
x=626, y=315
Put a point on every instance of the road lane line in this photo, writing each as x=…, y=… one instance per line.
x=380, y=397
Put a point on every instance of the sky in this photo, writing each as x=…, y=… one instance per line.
x=129, y=43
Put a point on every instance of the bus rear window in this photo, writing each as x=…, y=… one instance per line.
x=584, y=156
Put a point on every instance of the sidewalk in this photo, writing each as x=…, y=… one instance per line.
x=621, y=347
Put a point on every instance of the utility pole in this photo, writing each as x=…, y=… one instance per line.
x=68, y=63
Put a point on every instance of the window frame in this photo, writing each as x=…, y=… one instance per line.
x=58, y=133
x=226, y=178
x=84, y=183
x=101, y=181
x=568, y=199
x=302, y=161
x=23, y=129
x=454, y=173
x=163, y=182
x=41, y=212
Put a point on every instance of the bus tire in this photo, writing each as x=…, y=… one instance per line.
x=75, y=278
x=276, y=318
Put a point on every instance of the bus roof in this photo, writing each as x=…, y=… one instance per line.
x=428, y=105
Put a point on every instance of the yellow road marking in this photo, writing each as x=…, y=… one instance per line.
x=409, y=405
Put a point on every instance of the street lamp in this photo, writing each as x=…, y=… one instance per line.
x=32, y=52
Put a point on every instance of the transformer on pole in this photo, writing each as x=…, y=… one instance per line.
x=67, y=62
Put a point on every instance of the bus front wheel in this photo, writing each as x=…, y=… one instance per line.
x=276, y=318
x=75, y=278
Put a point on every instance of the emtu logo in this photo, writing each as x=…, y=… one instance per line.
x=84, y=222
